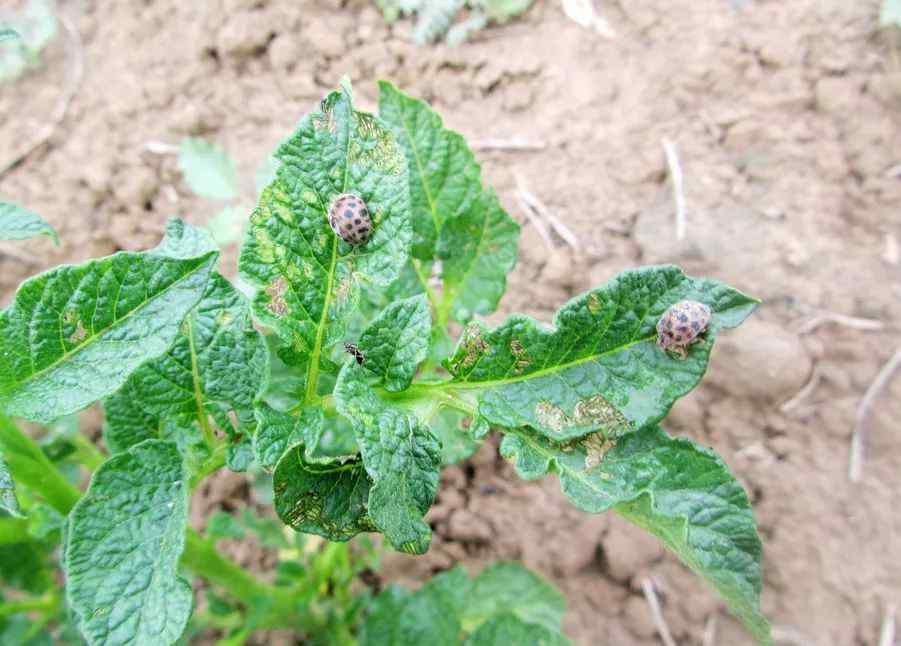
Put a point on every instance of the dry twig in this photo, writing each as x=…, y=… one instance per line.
x=709, y=638
x=675, y=172
x=788, y=635
x=582, y=12
x=538, y=209
x=804, y=393
x=540, y=226
x=892, y=253
x=160, y=148
x=76, y=73
x=650, y=594
x=840, y=319
x=855, y=461
x=887, y=633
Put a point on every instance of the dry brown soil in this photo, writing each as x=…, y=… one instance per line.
x=786, y=115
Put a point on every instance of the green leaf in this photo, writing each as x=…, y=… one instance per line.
x=223, y=525
x=227, y=226
x=17, y=223
x=462, y=31
x=75, y=333
x=44, y=522
x=508, y=629
x=397, y=341
x=478, y=249
x=35, y=26
x=452, y=428
x=268, y=531
x=125, y=538
x=308, y=278
x=239, y=452
x=430, y=615
x=510, y=588
x=454, y=216
x=393, y=9
x=278, y=431
x=266, y=173
x=444, y=175
x=216, y=367
x=505, y=598
x=392, y=620
x=435, y=18
x=600, y=367
x=8, y=501
x=890, y=14
x=184, y=241
x=503, y=10
x=22, y=567
x=208, y=169
x=325, y=499
x=681, y=492
x=400, y=455
x=32, y=469
x=22, y=631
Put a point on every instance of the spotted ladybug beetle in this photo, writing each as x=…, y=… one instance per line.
x=681, y=325
x=349, y=218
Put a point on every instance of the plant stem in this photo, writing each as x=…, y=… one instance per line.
x=442, y=315
x=86, y=453
x=283, y=605
x=424, y=280
x=46, y=603
x=208, y=436
x=212, y=464
x=30, y=467
x=432, y=391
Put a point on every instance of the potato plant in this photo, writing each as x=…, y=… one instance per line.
x=339, y=376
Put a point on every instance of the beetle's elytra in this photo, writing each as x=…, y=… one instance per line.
x=681, y=325
x=349, y=218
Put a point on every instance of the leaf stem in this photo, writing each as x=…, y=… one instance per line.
x=31, y=468
x=284, y=606
x=87, y=453
x=424, y=280
x=210, y=465
x=431, y=391
x=313, y=371
x=442, y=315
x=208, y=436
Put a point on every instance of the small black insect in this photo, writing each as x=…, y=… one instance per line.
x=353, y=350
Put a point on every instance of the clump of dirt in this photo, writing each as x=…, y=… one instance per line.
x=786, y=118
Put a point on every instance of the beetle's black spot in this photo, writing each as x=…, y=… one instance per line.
x=683, y=318
x=348, y=226
x=348, y=214
x=357, y=221
x=683, y=329
x=695, y=326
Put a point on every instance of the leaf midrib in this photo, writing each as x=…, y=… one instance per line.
x=313, y=369
x=677, y=544
x=463, y=385
x=115, y=323
x=422, y=176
